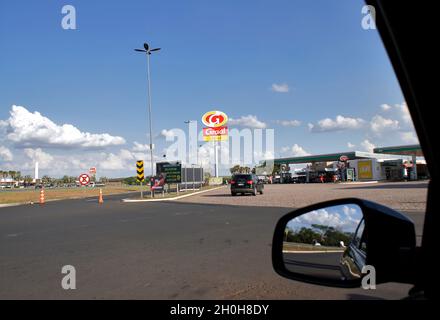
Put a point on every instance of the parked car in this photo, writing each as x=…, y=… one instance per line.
x=246, y=183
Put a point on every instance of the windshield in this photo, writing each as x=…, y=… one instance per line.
x=125, y=125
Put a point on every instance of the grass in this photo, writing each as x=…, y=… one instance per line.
x=33, y=195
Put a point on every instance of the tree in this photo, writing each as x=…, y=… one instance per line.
x=305, y=235
x=276, y=168
x=27, y=179
x=103, y=179
x=46, y=179
x=239, y=169
x=133, y=181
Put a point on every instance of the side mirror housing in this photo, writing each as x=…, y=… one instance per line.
x=330, y=243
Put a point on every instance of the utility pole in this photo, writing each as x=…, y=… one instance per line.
x=148, y=52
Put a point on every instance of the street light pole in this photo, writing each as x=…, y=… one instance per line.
x=149, y=112
x=188, y=122
x=148, y=51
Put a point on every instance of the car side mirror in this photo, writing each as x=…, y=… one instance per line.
x=331, y=243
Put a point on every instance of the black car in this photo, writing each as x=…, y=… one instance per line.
x=246, y=183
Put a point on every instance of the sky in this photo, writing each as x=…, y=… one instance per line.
x=73, y=99
x=345, y=218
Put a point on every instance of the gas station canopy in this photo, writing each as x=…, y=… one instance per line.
x=353, y=155
x=411, y=150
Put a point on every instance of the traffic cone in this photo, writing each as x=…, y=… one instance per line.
x=42, y=197
x=100, y=200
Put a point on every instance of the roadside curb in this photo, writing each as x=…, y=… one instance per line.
x=170, y=199
x=29, y=203
x=359, y=182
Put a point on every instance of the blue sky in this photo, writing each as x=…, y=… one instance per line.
x=226, y=55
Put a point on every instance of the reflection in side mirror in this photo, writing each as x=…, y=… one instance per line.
x=326, y=243
x=330, y=243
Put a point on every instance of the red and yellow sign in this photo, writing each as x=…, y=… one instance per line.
x=215, y=138
x=214, y=119
x=215, y=131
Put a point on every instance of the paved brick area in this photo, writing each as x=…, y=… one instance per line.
x=402, y=196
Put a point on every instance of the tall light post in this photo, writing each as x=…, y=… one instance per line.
x=188, y=122
x=148, y=51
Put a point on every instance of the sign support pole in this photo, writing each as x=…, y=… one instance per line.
x=142, y=191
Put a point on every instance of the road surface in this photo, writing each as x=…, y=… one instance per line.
x=161, y=250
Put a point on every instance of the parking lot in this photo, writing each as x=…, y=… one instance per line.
x=397, y=195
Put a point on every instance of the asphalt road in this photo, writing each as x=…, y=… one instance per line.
x=161, y=250
x=318, y=264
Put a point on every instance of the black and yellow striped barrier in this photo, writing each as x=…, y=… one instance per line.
x=140, y=170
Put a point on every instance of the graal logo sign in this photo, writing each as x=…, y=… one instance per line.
x=214, y=119
x=69, y=280
x=69, y=20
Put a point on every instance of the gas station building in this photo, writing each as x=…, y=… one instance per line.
x=387, y=163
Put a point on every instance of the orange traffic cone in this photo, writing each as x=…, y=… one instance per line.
x=42, y=197
x=100, y=200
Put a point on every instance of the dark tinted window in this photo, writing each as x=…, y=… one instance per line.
x=243, y=176
x=359, y=239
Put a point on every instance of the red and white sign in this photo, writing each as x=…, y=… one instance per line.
x=92, y=170
x=408, y=164
x=215, y=131
x=343, y=158
x=214, y=119
x=84, y=179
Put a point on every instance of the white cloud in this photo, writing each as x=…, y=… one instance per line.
x=249, y=121
x=280, y=88
x=28, y=129
x=409, y=137
x=45, y=160
x=386, y=107
x=167, y=134
x=404, y=112
x=345, y=218
x=350, y=145
x=401, y=110
x=289, y=123
x=119, y=161
x=139, y=147
x=380, y=124
x=6, y=154
x=294, y=151
x=340, y=123
x=367, y=145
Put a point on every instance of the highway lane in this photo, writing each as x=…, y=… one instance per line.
x=322, y=264
x=169, y=250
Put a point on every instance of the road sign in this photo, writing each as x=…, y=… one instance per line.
x=214, y=119
x=84, y=179
x=215, y=138
x=140, y=170
x=215, y=134
x=172, y=171
x=92, y=170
